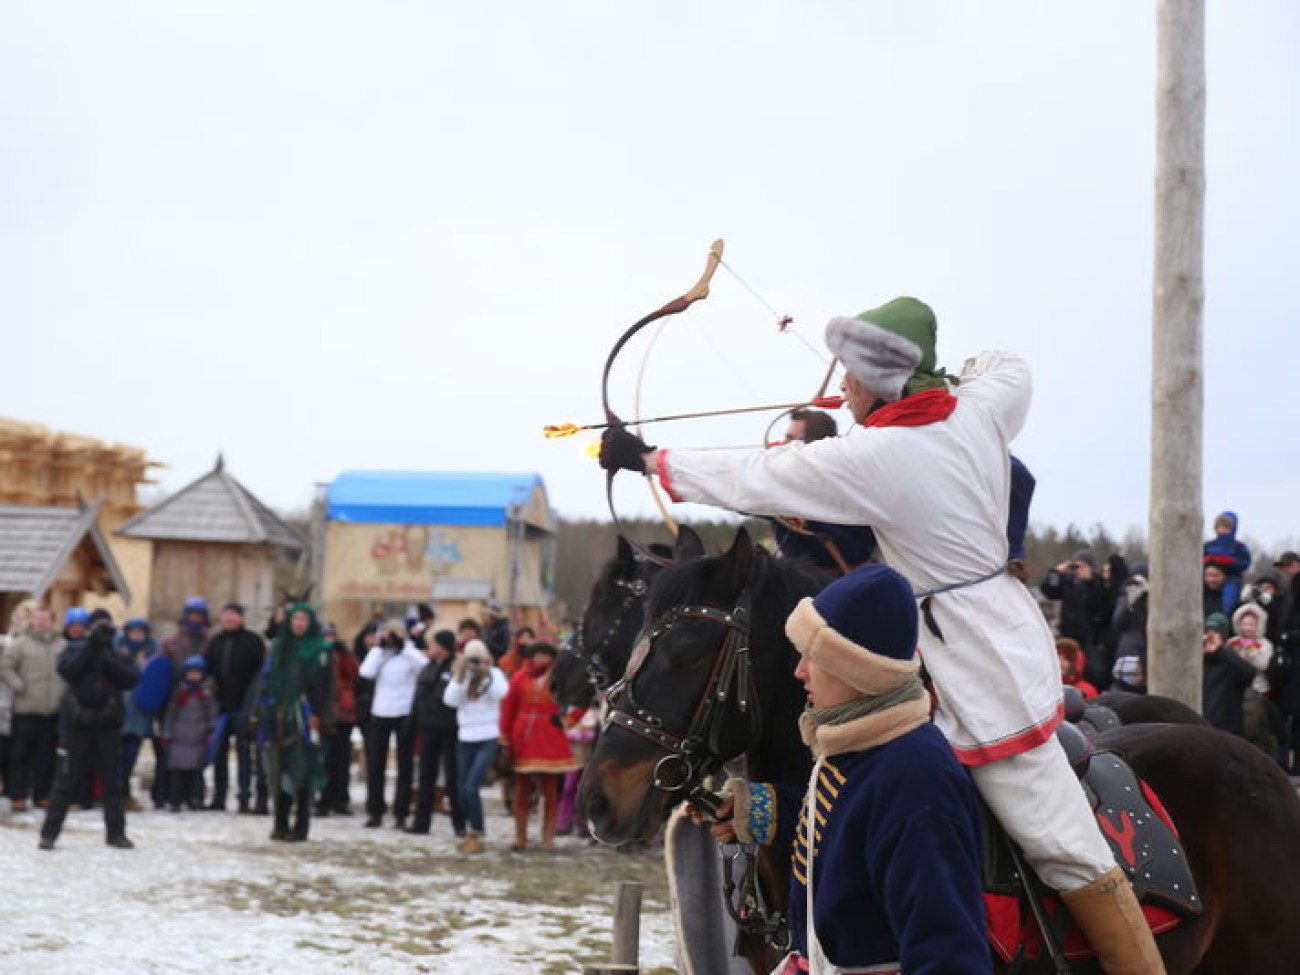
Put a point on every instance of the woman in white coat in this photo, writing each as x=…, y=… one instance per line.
x=476, y=691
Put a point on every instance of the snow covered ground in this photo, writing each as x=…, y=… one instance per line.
x=208, y=892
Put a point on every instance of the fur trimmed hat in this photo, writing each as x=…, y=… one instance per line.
x=861, y=628
x=885, y=347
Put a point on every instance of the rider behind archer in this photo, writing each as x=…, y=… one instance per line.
x=885, y=841
x=830, y=548
x=932, y=476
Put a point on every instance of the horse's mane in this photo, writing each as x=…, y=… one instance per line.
x=784, y=583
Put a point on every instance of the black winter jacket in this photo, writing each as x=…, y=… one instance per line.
x=235, y=658
x=1226, y=678
x=1080, y=604
x=97, y=673
x=427, y=709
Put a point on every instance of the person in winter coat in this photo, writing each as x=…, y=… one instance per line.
x=476, y=691
x=20, y=622
x=191, y=720
x=1073, y=663
x=496, y=630
x=533, y=733
x=345, y=667
x=1130, y=628
x=1114, y=572
x=393, y=664
x=1262, y=722
x=518, y=653
x=1230, y=556
x=1286, y=649
x=235, y=656
x=29, y=667
x=435, y=726
x=1213, y=599
x=137, y=643
x=191, y=636
x=96, y=673
x=1077, y=585
x=1226, y=677
x=885, y=840
x=294, y=703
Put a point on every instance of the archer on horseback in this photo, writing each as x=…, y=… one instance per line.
x=931, y=474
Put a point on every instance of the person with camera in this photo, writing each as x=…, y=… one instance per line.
x=476, y=691
x=97, y=673
x=393, y=663
x=435, y=723
x=1075, y=582
x=1225, y=678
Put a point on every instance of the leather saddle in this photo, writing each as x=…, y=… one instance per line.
x=1135, y=824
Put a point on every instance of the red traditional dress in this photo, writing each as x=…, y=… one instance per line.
x=530, y=726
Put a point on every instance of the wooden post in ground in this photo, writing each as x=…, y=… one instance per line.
x=625, y=954
x=1174, y=624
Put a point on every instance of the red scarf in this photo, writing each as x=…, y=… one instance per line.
x=917, y=410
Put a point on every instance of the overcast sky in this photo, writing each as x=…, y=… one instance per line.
x=324, y=236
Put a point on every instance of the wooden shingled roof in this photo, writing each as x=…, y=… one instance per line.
x=37, y=540
x=215, y=508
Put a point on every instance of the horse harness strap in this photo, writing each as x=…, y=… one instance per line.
x=593, y=658
x=693, y=756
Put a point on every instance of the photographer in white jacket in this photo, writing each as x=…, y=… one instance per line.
x=393, y=663
x=476, y=691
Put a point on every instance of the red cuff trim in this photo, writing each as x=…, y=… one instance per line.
x=665, y=479
x=1017, y=744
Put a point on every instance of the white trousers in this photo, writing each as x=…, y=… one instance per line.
x=1040, y=803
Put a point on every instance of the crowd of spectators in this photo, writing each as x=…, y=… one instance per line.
x=293, y=703
x=1251, y=641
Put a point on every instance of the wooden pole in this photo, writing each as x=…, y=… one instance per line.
x=1175, y=623
x=627, y=925
x=625, y=954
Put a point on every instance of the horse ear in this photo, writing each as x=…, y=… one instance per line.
x=738, y=561
x=689, y=546
x=623, y=553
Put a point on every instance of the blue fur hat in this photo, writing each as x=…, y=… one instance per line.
x=862, y=628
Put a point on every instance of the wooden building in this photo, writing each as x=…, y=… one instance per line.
x=45, y=468
x=56, y=555
x=395, y=539
x=213, y=538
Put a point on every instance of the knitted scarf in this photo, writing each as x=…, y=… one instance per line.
x=866, y=722
x=915, y=410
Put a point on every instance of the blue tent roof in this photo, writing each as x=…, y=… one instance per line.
x=429, y=497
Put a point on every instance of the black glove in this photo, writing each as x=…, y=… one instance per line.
x=621, y=450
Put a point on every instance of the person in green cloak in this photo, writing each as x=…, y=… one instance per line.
x=295, y=703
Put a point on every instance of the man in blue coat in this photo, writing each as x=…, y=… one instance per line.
x=885, y=841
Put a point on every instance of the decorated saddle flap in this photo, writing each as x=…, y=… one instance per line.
x=1144, y=841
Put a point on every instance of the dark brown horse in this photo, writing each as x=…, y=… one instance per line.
x=1237, y=814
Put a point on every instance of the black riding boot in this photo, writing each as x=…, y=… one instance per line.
x=302, y=815
x=281, y=829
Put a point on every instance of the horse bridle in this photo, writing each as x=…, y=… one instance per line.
x=593, y=659
x=693, y=757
